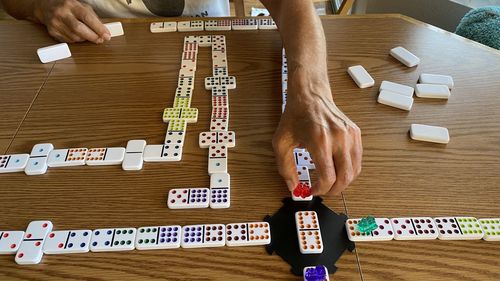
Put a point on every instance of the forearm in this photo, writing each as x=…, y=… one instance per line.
x=20, y=9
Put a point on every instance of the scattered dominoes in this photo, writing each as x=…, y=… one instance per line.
x=13, y=163
x=67, y=242
x=384, y=231
x=67, y=157
x=308, y=232
x=396, y=88
x=188, y=198
x=37, y=163
x=105, y=156
x=359, y=74
x=458, y=228
x=426, y=78
x=10, y=241
x=204, y=235
x=113, y=239
x=395, y=100
x=417, y=228
x=133, y=159
x=31, y=249
x=405, y=56
x=432, y=91
x=248, y=234
x=53, y=53
x=429, y=133
x=158, y=237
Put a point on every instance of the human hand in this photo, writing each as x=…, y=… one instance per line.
x=71, y=21
x=312, y=120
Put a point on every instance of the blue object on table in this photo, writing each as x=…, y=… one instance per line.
x=482, y=25
x=317, y=273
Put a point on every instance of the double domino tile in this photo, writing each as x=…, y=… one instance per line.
x=308, y=232
x=31, y=249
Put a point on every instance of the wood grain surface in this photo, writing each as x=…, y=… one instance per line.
x=106, y=95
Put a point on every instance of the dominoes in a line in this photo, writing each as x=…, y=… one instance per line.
x=67, y=242
x=31, y=249
x=53, y=53
x=429, y=133
x=458, y=228
x=162, y=152
x=248, y=234
x=203, y=235
x=267, y=24
x=405, y=56
x=166, y=26
x=308, y=232
x=491, y=228
x=316, y=273
x=37, y=163
x=105, y=156
x=396, y=88
x=359, y=74
x=220, y=190
x=216, y=25
x=432, y=91
x=113, y=239
x=67, y=157
x=188, y=198
x=13, y=163
x=208, y=138
x=115, y=28
x=303, y=158
x=244, y=24
x=395, y=100
x=10, y=241
x=305, y=181
x=384, y=231
x=426, y=78
x=133, y=159
x=415, y=228
x=158, y=237
x=189, y=115
x=194, y=25
x=217, y=158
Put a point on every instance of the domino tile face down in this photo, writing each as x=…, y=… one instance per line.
x=227, y=138
x=113, y=239
x=397, y=88
x=158, y=237
x=31, y=249
x=54, y=52
x=417, y=228
x=426, y=78
x=67, y=157
x=105, y=156
x=429, y=133
x=163, y=153
x=115, y=28
x=405, y=56
x=13, y=163
x=432, y=91
x=67, y=242
x=203, y=235
x=166, y=26
x=37, y=163
x=188, y=198
x=395, y=100
x=10, y=241
x=248, y=234
x=133, y=159
x=359, y=74
x=491, y=228
x=384, y=231
x=308, y=232
x=458, y=228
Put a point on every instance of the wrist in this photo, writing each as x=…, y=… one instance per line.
x=307, y=83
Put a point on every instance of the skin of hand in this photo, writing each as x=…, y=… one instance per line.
x=70, y=21
x=311, y=119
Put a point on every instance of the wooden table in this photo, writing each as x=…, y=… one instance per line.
x=106, y=95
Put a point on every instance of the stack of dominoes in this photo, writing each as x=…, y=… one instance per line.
x=427, y=228
x=401, y=96
x=214, y=25
x=217, y=140
x=39, y=239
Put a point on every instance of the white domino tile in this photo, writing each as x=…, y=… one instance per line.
x=31, y=249
x=188, y=198
x=405, y=56
x=267, y=24
x=67, y=242
x=447, y=80
x=115, y=28
x=133, y=159
x=105, y=156
x=160, y=27
x=113, y=239
x=244, y=24
x=395, y=100
x=158, y=237
x=308, y=232
x=303, y=158
x=491, y=229
x=227, y=138
x=384, y=231
x=54, y=52
x=67, y=157
x=162, y=153
x=217, y=25
x=37, y=163
x=13, y=163
x=458, y=228
x=203, y=235
x=359, y=74
x=432, y=91
x=397, y=88
x=10, y=241
x=429, y=133
x=414, y=228
x=248, y=234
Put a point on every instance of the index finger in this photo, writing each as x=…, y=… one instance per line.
x=89, y=17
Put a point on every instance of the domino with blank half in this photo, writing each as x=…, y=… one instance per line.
x=426, y=78
x=115, y=28
x=432, y=91
x=10, y=241
x=31, y=249
x=113, y=239
x=67, y=242
x=160, y=27
x=188, y=198
x=429, y=133
x=37, y=164
x=217, y=158
x=405, y=56
x=158, y=237
x=105, y=156
x=416, y=228
x=203, y=235
x=395, y=100
x=187, y=26
x=13, y=163
x=397, y=88
x=491, y=229
x=133, y=159
x=248, y=234
x=384, y=231
x=53, y=53
x=162, y=153
x=308, y=232
x=359, y=74
x=458, y=228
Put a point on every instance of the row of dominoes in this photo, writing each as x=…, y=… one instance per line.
x=401, y=96
x=39, y=239
x=427, y=228
x=213, y=25
x=61, y=51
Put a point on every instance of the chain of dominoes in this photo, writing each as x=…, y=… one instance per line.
x=213, y=25
x=29, y=246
